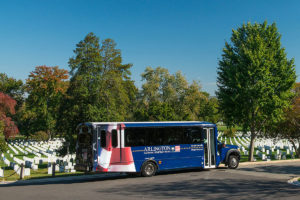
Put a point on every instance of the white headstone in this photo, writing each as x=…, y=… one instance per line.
x=26, y=172
x=50, y=170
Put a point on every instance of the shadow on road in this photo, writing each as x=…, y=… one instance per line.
x=208, y=189
x=184, y=184
x=274, y=169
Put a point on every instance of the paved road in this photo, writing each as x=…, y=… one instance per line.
x=268, y=181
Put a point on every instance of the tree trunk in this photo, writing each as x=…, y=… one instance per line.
x=294, y=145
x=253, y=136
x=298, y=152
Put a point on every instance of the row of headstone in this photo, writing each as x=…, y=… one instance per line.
x=13, y=149
x=265, y=147
x=64, y=164
x=62, y=167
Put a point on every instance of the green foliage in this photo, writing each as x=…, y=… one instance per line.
x=100, y=85
x=40, y=136
x=15, y=89
x=230, y=132
x=288, y=128
x=254, y=78
x=169, y=97
x=46, y=87
x=1, y=128
x=210, y=111
x=3, y=145
x=12, y=87
x=69, y=146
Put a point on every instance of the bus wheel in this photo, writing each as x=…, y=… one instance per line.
x=148, y=169
x=233, y=162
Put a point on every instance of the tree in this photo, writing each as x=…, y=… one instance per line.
x=3, y=145
x=46, y=87
x=289, y=127
x=12, y=87
x=210, y=111
x=254, y=79
x=168, y=97
x=15, y=89
x=7, y=106
x=100, y=85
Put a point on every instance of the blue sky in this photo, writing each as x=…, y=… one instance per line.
x=180, y=35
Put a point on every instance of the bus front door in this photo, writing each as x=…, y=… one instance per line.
x=209, y=148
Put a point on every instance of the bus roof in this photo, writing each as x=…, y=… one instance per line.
x=153, y=124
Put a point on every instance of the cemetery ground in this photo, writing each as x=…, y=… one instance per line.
x=38, y=157
x=263, y=180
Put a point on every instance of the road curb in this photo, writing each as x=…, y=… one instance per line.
x=6, y=182
x=268, y=162
x=90, y=177
x=294, y=181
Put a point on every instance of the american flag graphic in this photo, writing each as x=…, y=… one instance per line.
x=114, y=159
x=177, y=148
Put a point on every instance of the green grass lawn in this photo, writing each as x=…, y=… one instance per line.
x=34, y=174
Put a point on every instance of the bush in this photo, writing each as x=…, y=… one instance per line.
x=40, y=136
x=3, y=145
x=68, y=145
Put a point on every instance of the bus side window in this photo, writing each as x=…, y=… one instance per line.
x=103, y=138
x=114, y=138
x=135, y=137
x=195, y=135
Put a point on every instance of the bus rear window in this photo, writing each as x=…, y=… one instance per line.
x=83, y=138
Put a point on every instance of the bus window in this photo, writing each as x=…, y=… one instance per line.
x=172, y=135
x=153, y=136
x=84, y=139
x=135, y=137
x=114, y=138
x=103, y=138
x=194, y=135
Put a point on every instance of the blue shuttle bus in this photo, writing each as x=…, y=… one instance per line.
x=148, y=147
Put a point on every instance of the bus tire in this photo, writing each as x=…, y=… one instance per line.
x=233, y=162
x=148, y=169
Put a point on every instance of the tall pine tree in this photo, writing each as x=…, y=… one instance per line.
x=100, y=86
